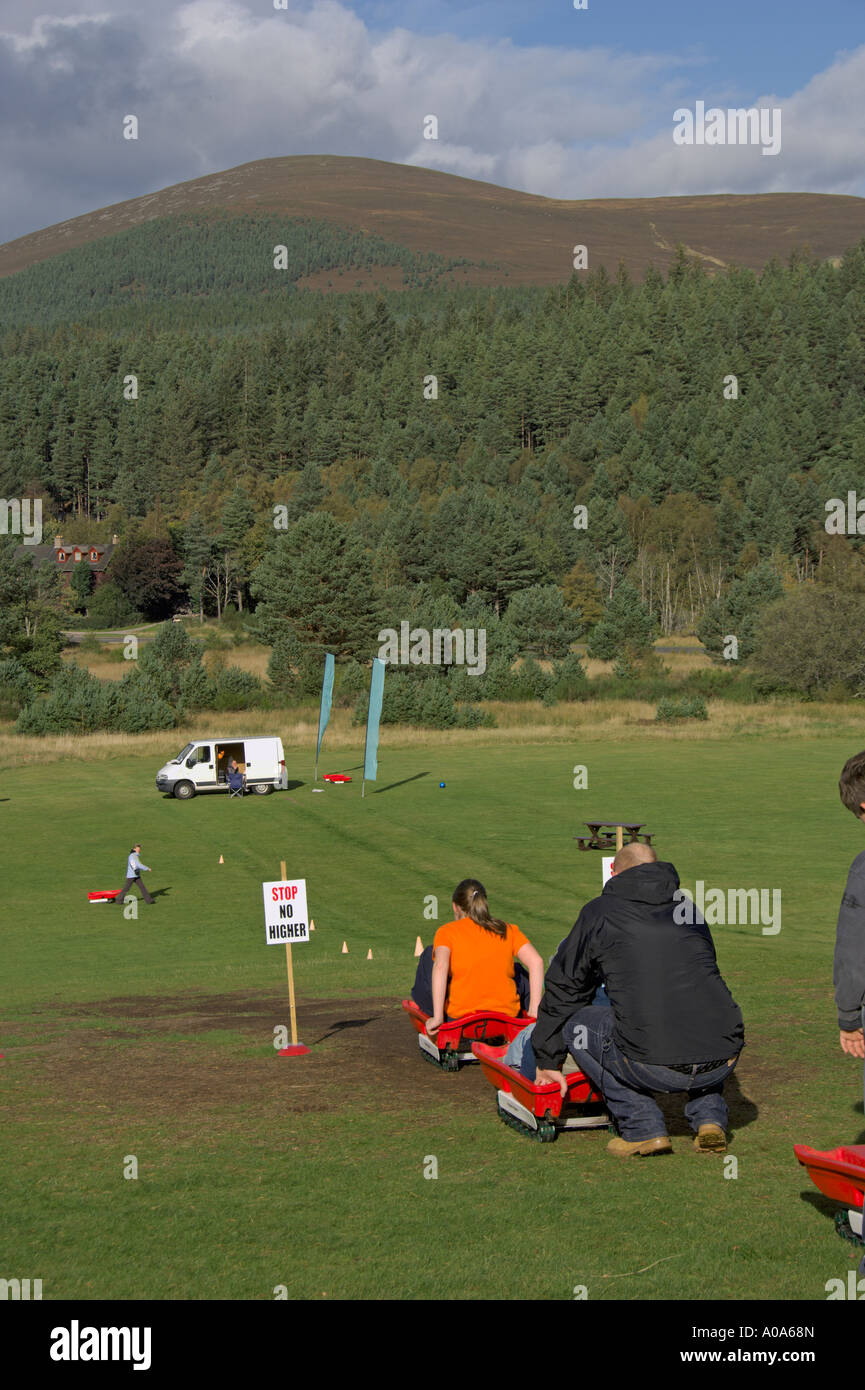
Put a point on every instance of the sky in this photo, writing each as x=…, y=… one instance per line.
x=536, y=96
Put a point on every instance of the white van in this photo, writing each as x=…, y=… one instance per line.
x=201, y=766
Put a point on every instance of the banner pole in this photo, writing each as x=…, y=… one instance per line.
x=290, y=972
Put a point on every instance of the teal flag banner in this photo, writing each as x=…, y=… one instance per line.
x=376, y=692
x=326, y=698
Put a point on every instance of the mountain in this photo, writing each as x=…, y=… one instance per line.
x=505, y=236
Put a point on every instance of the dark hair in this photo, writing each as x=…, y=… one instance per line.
x=852, y=784
x=471, y=896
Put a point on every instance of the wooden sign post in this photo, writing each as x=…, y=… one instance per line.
x=285, y=920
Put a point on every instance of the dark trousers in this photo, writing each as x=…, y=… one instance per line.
x=128, y=884
x=422, y=988
x=627, y=1085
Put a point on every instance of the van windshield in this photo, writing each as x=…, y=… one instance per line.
x=183, y=753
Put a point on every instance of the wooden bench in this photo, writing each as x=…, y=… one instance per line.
x=610, y=835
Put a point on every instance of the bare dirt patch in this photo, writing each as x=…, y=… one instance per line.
x=165, y=1058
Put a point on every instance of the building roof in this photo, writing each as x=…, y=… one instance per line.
x=38, y=553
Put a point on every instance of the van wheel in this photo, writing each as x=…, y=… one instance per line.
x=262, y=789
x=184, y=791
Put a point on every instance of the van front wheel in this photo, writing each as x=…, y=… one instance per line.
x=262, y=789
x=184, y=790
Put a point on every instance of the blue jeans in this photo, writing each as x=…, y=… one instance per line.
x=520, y=1053
x=627, y=1085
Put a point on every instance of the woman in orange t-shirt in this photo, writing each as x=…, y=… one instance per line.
x=472, y=963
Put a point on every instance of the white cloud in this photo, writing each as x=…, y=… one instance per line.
x=216, y=83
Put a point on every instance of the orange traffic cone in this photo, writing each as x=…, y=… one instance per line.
x=344, y=951
x=369, y=954
x=221, y=860
x=311, y=925
x=418, y=947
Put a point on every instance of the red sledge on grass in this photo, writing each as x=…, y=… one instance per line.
x=336, y=777
x=107, y=896
x=452, y=1043
x=839, y=1174
x=540, y=1112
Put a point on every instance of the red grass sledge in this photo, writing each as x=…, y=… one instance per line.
x=107, y=896
x=540, y=1112
x=839, y=1174
x=452, y=1043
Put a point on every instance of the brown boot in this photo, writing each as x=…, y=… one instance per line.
x=710, y=1139
x=644, y=1148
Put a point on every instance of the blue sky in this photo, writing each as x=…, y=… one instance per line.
x=534, y=96
x=752, y=45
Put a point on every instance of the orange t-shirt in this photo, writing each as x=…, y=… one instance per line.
x=481, y=967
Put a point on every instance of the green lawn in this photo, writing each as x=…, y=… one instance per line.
x=308, y=1173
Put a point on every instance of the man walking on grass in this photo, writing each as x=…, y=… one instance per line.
x=134, y=870
x=673, y=1025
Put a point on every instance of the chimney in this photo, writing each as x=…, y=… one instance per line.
x=115, y=540
x=58, y=541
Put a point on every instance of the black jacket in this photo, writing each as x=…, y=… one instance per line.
x=669, y=1001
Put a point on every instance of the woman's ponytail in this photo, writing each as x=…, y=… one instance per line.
x=471, y=897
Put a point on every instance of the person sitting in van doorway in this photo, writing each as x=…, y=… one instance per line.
x=134, y=870
x=235, y=778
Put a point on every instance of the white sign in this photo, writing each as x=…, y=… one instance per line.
x=606, y=866
x=285, y=919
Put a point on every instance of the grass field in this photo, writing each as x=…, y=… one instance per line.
x=152, y=1038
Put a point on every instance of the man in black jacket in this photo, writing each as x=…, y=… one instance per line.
x=673, y=1025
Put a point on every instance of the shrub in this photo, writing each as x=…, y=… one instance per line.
x=140, y=706
x=401, y=703
x=197, y=690
x=685, y=707
x=626, y=623
x=499, y=681
x=532, y=681
x=74, y=704
x=352, y=680
x=811, y=640
x=109, y=607
x=473, y=717
x=569, y=681
x=281, y=666
x=236, y=689
x=17, y=688
x=437, y=710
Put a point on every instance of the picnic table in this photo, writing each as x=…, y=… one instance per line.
x=610, y=834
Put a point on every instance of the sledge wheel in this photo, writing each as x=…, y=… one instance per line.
x=845, y=1230
x=544, y=1134
x=449, y=1061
